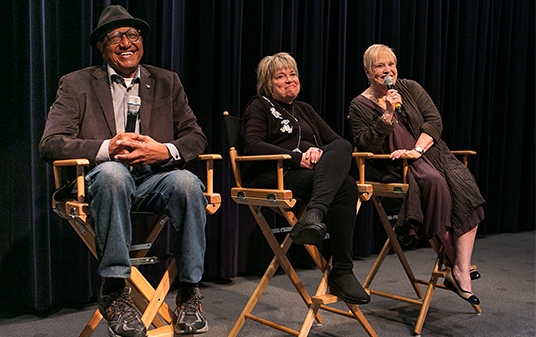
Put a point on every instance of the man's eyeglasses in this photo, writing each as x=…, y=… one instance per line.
x=116, y=36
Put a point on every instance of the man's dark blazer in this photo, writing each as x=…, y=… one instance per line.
x=82, y=116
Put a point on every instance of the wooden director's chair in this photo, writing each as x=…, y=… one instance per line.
x=440, y=270
x=282, y=202
x=148, y=300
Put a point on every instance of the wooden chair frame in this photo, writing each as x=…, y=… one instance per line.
x=148, y=300
x=281, y=201
x=440, y=270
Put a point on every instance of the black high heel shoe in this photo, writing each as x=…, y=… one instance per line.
x=452, y=284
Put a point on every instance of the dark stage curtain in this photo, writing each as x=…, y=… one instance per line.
x=475, y=59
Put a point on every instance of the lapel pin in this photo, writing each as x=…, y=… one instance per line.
x=148, y=86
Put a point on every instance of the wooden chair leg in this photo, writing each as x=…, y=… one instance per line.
x=280, y=252
x=322, y=298
x=141, y=303
x=396, y=246
x=159, y=296
x=165, y=331
x=280, y=259
x=362, y=320
x=254, y=298
x=377, y=264
x=309, y=319
x=315, y=305
x=92, y=324
x=428, y=296
x=146, y=290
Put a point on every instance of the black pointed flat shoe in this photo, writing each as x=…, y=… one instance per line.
x=308, y=230
x=452, y=284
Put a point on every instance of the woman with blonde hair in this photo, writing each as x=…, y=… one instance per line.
x=396, y=116
x=275, y=122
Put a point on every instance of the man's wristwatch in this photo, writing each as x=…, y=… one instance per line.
x=419, y=149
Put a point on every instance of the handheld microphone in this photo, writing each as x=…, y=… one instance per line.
x=134, y=103
x=391, y=85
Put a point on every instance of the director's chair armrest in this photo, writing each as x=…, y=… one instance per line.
x=214, y=199
x=464, y=154
x=360, y=160
x=79, y=163
x=264, y=157
x=361, y=156
x=279, y=158
x=262, y=196
x=71, y=162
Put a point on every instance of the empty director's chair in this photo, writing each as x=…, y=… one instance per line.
x=148, y=300
x=282, y=202
x=439, y=270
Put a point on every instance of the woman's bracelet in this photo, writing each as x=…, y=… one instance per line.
x=385, y=120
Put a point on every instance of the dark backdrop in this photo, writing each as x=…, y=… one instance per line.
x=475, y=58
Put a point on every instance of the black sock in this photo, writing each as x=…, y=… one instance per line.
x=188, y=285
x=186, y=289
x=112, y=284
x=339, y=272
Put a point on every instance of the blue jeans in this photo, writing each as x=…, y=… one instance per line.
x=114, y=191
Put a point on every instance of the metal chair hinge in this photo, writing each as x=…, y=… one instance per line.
x=140, y=246
x=271, y=198
x=73, y=213
x=281, y=230
x=241, y=196
x=144, y=260
x=398, y=191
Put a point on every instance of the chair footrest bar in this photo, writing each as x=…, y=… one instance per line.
x=426, y=283
x=324, y=299
x=272, y=324
x=395, y=297
x=337, y=311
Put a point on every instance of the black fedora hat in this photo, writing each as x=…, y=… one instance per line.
x=114, y=17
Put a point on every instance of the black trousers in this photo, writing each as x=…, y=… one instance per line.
x=330, y=188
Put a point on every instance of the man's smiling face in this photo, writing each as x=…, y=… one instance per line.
x=124, y=56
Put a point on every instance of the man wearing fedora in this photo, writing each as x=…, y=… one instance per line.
x=134, y=125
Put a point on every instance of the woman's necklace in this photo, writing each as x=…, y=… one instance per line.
x=381, y=103
x=290, y=113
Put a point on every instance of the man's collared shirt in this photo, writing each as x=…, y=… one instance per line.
x=121, y=89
